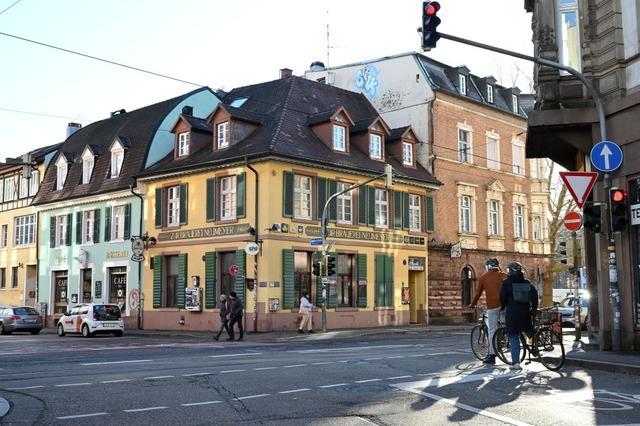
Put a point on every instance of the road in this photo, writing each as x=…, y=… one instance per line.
x=413, y=379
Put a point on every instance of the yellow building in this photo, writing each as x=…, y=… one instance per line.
x=237, y=204
x=19, y=229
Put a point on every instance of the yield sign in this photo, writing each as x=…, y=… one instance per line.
x=579, y=185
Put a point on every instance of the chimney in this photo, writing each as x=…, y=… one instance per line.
x=317, y=66
x=187, y=110
x=285, y=72
x=72, y=128
x=120, y=111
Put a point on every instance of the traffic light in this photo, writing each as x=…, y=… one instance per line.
x=429, y=23
x=316, y=269
x=331, y=265
x=566, y=251
x=592, y=214
x=619, y=209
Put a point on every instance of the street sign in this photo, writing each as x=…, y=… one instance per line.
x=233, y=270
x=579, y=185
x=316, y=241
x=635, y=216
x=606, y=156
x=251, y=248
x=573, y=221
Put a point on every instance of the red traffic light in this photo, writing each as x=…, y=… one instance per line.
x=618, y=195
x=432, y=8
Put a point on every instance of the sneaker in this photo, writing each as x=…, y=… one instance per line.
x=229, y=339
x=515, y=366
x=240, y=339
x=311, y=331
x=215, y=338
x=300, y=331
x=490, y=359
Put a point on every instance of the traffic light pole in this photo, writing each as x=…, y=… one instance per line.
x=610, y=252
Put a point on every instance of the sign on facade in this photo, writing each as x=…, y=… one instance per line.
x=456, y=250
x=635, y=214
x=416, y=264
x=192, y=299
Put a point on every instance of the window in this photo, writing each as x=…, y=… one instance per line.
x=88, y=222
x=227, y=281
x=382, y=208
x=569, y=36
x=302, y=277
x=222, y=130
x=514, y=104
x=4, y=236
x=117, y=284
x=518, y=158
x=117, y=157
x=494, y=217
x=339, y=138
x=34, y=183
x=489, y=93
x=537, y=228
x=9, y=189
x=61, y=176
x=344, y=203
x=344, y=285
x=183, y=144
x=407, y=154
x=228, y=198
x=87, y=169
x=301, y=197
x=1, y=189
x=492, y=153
x=61, y=230
x=465, y=214
x=519, y=221
x=414, y=213
x=117, y=223
x=462, y=81
x=14, y=277
x=24, y=232
x=24, y=187
x=173, y=206
x=3, y=277
x=375, y=146
x=170, y=293
x=464, y=146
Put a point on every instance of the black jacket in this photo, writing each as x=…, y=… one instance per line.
x=236, y=309
x=518, y=314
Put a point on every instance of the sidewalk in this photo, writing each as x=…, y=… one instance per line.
x=584, y=353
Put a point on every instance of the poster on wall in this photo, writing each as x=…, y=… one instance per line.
x=405, y=295
x=192, y=299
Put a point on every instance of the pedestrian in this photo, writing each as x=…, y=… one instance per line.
x=307, y=316
x=224, y=317
x=490, y=283
x=235, y=315
x=520, y=298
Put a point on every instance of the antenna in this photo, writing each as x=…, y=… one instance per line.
x=328, y=45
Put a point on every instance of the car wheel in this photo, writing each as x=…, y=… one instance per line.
x=585, y=324
x=60, y=330
x=34, y=332
x=86, y=332
x=3, y=331
x=118, y=333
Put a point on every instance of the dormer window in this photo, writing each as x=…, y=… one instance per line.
x=407, y=154
x=183, y=144
x=514, y=103
x=61, y=173
x=489, y=93
x=462, y=82
x=375, y=146
x=87, y=166
x=222, y=131
x=339, y=138
x=117, y=158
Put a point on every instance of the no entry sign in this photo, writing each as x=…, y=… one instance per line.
x=573, y=221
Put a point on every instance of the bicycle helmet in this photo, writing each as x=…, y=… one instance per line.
x=514, y=268
x=492, y=264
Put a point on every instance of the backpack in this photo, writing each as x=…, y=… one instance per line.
x=521, y=292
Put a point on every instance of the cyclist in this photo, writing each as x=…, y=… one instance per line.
x=520, y=298
x=490, y=282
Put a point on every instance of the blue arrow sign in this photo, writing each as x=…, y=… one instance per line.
x=316, y=241
x=606, y=156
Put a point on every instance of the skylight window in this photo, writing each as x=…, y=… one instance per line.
x=238, y=102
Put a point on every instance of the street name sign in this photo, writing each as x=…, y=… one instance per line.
x=316, y=242
x=573, y=221
x=606, y=156
x=579, y=185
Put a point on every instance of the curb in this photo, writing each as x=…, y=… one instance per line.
x=4, y=407
x=603, y=366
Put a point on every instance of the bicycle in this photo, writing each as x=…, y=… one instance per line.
x=546, y=346
x=480, y=338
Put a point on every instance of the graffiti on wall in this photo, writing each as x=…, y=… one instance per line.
x=367, y=80
x=389, y=101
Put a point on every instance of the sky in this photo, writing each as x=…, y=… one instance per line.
x=218, y=43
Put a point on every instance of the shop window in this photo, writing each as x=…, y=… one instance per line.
x=227, y=281
x=60, y=280
x=118, y=286
x=170, y=291
x=86, y=285
x=302, y=277
x=345, y=281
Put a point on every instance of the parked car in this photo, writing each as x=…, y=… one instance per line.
x=23, y=318
x=91, y=319
x=566, y=308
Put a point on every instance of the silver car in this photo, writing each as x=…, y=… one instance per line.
x=22, y=318
x=566, y=308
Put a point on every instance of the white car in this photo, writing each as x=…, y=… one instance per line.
x=90, y=319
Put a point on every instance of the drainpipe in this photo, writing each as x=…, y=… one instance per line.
x=134, y=185
x=255, y=258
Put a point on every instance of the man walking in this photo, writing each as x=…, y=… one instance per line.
x=490, y=283
x=224, y=317
x=236, y=315
x=306, y=310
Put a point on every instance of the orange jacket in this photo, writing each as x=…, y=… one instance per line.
x=490, y=282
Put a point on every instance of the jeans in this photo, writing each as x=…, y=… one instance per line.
x=234, y=321
x=514, y=343
x=224, y=325
x=492, y=325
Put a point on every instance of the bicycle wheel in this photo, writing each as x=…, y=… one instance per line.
x=550, y=348
x=480, y=341
x=503, y=347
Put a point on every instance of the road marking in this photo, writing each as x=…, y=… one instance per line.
x=416, y=355
x=138, y=410
x=25, y=388
x=238, y=355
x=265, y=368
x=323, y=363
x=353, y=348
x=398, y=377
x=117, y=381
x=295, y=365
x=252, y=396
x=158, y=377
x=395, y=357
x=232, y=371
x=335, y=385
x=367, y=381
x=72, y=384
x=117, y=362
x=372, y=359
x=296, y=390
x=193, y=404
x=79, y=416
x=196, y=374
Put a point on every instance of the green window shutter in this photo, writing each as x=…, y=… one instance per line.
x=380, y=287
x=52, y=232
x=371, y=216
x=405, y=210
x=127, y=221
x=362, y=275
x=158, y=202
x=184, y=203
x=210, y=280
x=182, y=278
x=157, y=282
x=241, y=194
x=78, y=227
x=96, y=226
x=239, y=285
x=321, y=185
x=287, y=195
x=332, y=289
x=388, y=281
x=68, y=237
x=287, y=278
x=211, y=199
x=397, y=209
x=362, y=205
x=333, y=206
x=107, y=224
x=430, y=212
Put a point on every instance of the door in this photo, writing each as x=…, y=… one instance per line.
x=86, y=285
x=30, y=286
x=413, y=298
x=61, y=300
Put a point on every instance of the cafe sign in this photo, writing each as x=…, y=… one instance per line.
x=351, y=234
x=213, y=231
x=416, y=264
